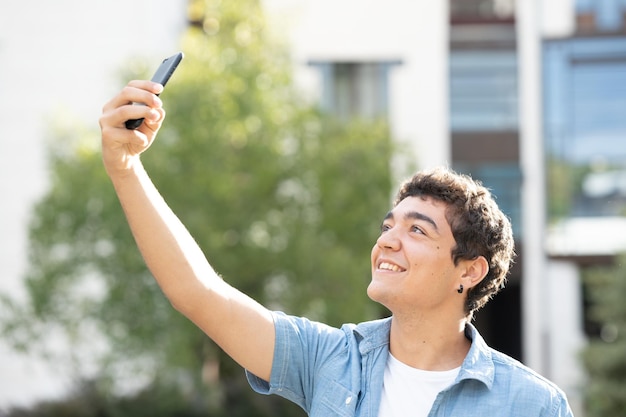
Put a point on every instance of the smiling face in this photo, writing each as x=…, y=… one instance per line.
x=412, y=266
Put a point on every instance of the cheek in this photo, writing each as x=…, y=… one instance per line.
x=374, y=254
x=431, y=264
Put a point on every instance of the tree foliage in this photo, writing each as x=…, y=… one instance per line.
x=605, y=356
x=564, y=182
x=87, y=400
x=285, y=201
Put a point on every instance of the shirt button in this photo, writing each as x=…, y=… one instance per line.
x=348, y=400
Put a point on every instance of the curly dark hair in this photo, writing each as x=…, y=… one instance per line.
x=478, y=225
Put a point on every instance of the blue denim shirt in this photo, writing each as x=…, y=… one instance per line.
x=339, y=372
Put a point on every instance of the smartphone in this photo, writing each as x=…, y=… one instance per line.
x=161, y=76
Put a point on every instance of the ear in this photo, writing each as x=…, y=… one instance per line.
x=475, y=271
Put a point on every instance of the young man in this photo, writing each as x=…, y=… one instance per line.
x=444, y=249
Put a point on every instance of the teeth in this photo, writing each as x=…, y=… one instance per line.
x=390, y=267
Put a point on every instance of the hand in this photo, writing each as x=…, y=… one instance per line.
x=121, y=147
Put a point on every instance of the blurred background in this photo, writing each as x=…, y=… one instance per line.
x=290, y=124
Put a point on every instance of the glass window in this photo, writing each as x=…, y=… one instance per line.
x=481, y=10
x=608, y=13
x=585, y=126
x=355, y=89
x=483, y=90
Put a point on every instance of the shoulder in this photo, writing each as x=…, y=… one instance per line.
x=369, y=330
x=312, y=333
x=509, y=381
x=505, y=364
x=517, y=380
x=496, y=367
x=516, y=370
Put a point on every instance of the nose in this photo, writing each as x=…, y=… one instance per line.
x=388, y=240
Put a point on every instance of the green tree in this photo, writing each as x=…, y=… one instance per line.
x=605, y=356
x=564, y=183
x=87, y=400
x=285, y=202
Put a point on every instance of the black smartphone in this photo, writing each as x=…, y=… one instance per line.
x=161, y=76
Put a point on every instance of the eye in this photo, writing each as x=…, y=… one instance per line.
x=385, y=227
x=417, y=229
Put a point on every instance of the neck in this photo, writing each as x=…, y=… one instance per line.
x=432, y=345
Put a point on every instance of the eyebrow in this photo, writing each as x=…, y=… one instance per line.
x=415, y=215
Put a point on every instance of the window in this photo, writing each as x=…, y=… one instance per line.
x=584, y=123
x=483, y=90
x=486, y=11
x=608, y=14
x=355, y=89
x=585, y=98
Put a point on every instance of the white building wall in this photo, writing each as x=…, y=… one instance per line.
x=58, y=58
x=557, y=17
x=566, y=332
x=535, y=298
x=414, y=33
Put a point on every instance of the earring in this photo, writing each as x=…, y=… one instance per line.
x=460, y=290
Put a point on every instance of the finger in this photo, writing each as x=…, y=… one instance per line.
x=151, y=86
x=130, y=95
x=137, y=91
x=135, y=111
x=117, y=117
x=132, y=141
x=154, y=120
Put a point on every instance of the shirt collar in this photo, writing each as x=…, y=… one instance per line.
x=373, y=334
x=478, y=363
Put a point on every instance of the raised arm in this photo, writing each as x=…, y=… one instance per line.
x=239, y=325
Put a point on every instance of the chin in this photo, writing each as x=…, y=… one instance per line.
x=374, y=292
x=378, y=298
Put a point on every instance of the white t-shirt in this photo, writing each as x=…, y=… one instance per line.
x=411, y=392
